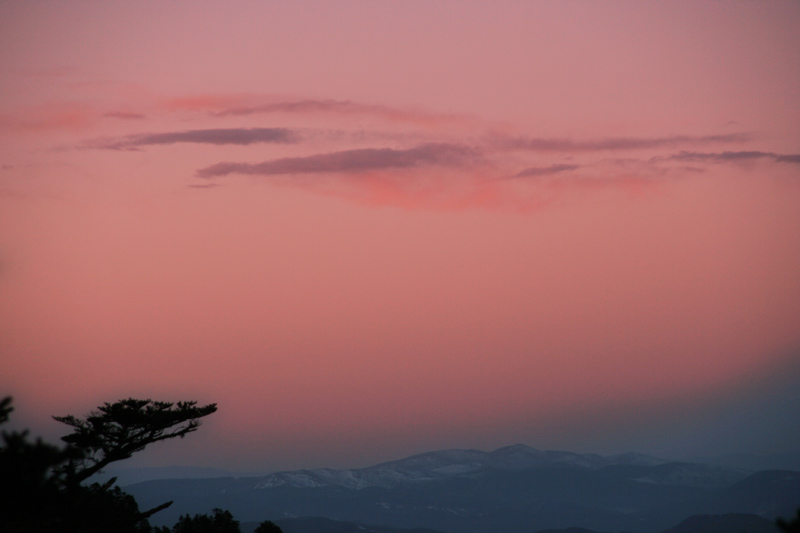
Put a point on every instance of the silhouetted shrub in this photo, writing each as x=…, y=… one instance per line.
x=268, y=527
x=220, y=522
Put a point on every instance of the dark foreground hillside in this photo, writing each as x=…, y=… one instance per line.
x=735, y=522
x=326, y=525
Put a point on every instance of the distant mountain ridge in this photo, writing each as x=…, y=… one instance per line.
x=516, y=489
x=446, y=463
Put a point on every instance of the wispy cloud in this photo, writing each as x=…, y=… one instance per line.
x=464, y=162
x=242, y=105
x=722, y=157
x=545, y=144
x=533, y=172
x=238, y=136
x=360, y=160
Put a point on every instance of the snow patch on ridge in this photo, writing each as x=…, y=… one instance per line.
x=444, y=464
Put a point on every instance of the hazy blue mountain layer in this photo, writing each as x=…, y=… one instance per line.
x=512, y=489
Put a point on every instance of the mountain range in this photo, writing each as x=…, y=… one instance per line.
x=513, y=489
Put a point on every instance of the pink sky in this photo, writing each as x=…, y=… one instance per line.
x=368, y=230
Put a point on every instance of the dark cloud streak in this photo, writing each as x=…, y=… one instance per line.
x=610, y=144
x=723, y=157
x=339, y=107
x=360, y=160
x=544, y=171
x=222, y=136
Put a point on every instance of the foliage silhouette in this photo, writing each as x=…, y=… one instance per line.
x=30, y=496
x=117, y=431
x=790, y=526
x=268, y=526
x=41, y=490
x=221, y=522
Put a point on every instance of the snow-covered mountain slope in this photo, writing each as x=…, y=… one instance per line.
x=447, y=463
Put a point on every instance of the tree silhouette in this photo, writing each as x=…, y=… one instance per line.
x=5, y=409
x=41, y=486
x=116, y=431
x=31, y=490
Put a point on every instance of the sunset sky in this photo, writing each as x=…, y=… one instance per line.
x=373, y=229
